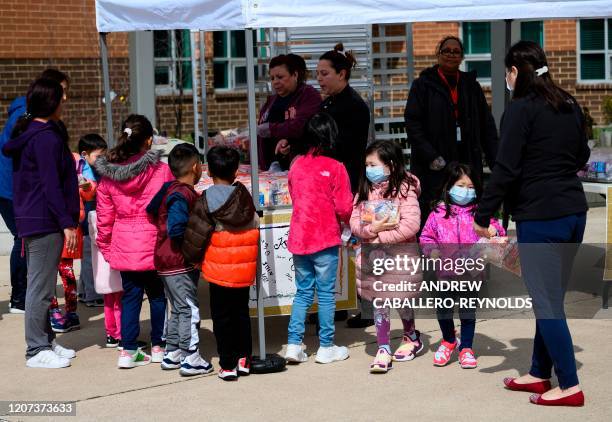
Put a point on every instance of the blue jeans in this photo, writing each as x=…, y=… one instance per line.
x=135, y=284
x=19, y=268
x=547, y=250
x=315, y=271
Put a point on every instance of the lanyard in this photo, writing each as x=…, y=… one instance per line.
x=454, y=92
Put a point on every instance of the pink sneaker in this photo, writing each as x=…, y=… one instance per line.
x=408, y=350
x=444, y=353
x=467, y=360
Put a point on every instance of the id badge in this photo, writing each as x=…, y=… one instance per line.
x=458, y=133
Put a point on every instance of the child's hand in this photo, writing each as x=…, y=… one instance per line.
x=492, y=231
x=435, y=254
x=378, y=226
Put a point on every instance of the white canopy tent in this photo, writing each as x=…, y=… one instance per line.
x=211, y=15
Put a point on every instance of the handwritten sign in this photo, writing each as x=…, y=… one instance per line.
x=278, y=272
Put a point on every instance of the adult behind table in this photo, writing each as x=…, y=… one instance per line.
x=46, y=202
x=543, y=145
x=284, y=114
x=17, y=262
x=447, y=119
x=348, y=109
x=352, y=116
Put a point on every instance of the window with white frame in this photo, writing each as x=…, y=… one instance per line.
x=595, y=50
x=229, y=59
x=172, y=57
x=476, y=37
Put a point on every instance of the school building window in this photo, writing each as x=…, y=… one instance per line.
x=229, y=59
x=476, y=37
x=595, y=50
x=533, y=31
x=172, y=57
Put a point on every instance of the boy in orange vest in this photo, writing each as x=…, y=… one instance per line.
x=223, y=235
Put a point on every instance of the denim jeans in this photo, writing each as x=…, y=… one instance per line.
x=135, y=284
x=19, y=268
x=547, y=250
x=316, y=271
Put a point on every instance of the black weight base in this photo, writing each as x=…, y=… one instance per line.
x=272, y=363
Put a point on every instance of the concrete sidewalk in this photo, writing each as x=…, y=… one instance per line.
x=340, y=391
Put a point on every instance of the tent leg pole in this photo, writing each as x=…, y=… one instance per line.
x=203, y=146
x=250, y=62
x=194, y=89
x=106, y=84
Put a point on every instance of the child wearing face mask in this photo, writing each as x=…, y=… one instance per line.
x=451, y=222
x=386, y=179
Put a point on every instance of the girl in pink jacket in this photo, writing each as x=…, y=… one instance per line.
x=387, y=182
x=321, y=194
x=449, y=225
x=131, y=175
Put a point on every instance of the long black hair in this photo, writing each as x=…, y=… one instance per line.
x=320, y=135
x=42, y=100
x=135, y=131
x=455, y=171
x=528, y=56
x=391, y=155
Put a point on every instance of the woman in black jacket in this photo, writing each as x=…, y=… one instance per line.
x=543, y=144
x=447, y=119
x=348, y=109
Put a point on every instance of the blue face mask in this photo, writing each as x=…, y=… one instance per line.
x=462, y=196
x=376, y=174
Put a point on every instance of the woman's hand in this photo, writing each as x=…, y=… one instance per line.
x=378, y=226
x=70, y=239
x=492, y=231
x=438, y=164
x=482, y=231
x=282, y=147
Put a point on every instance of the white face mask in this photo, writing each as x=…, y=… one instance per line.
x=508, y=87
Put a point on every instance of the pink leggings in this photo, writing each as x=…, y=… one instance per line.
x=112, y=314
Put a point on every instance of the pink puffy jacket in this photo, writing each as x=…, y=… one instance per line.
x=457, y=228
x=321, y=194
x=404, y=233
x=126, y=233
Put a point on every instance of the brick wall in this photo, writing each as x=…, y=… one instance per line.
x=59, y=29
x=83, y=112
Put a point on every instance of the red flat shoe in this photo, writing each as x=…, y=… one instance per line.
x=538, y=387
x=575, y=400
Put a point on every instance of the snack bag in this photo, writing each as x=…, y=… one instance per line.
x=378, y=210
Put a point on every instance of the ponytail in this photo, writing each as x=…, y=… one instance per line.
x=135, y=132
x=341, y=60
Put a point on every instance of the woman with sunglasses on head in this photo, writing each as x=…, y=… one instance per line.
x=447, y=119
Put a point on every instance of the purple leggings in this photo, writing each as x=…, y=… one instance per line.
x=382, y=319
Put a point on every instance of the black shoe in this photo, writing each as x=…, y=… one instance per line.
x=357, y=322
x=112, y=341
x=98, y=303
x=341, y=315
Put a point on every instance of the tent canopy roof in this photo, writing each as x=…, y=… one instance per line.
x=209, y=15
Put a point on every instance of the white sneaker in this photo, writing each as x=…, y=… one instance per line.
x=295, y=353
x=157, y=354
x=172, y=360
x=62, y=351
x=131, y=359
x=331, y=354
x=194, y=364
x=47, y=359
x=15, y=310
